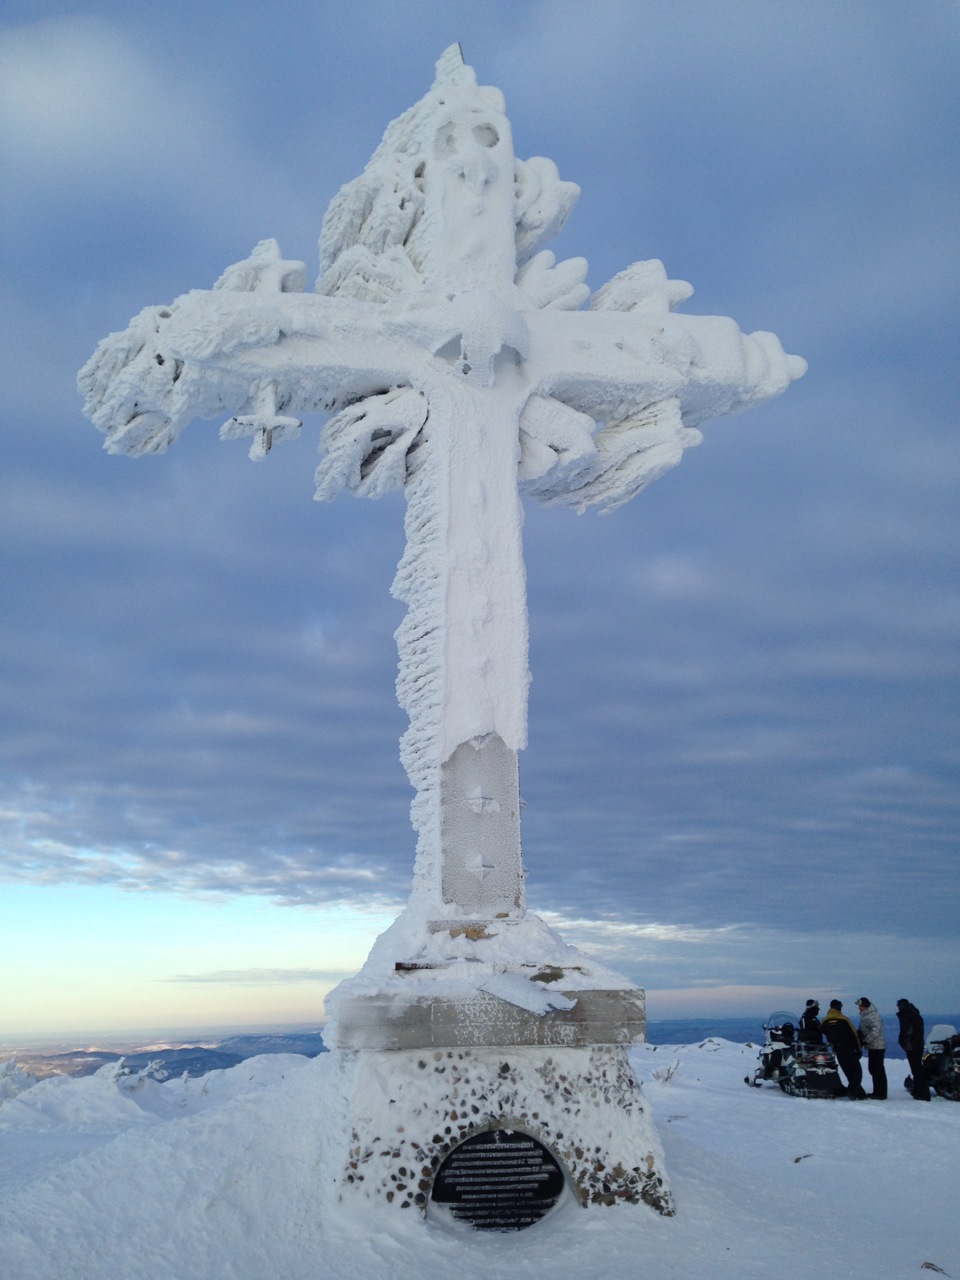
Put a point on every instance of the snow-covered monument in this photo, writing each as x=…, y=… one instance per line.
x=462, y=363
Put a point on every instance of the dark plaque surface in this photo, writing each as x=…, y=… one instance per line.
x=500, y=1180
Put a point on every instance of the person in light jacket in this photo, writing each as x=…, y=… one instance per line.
x=874, y=1040
x=842, y=1035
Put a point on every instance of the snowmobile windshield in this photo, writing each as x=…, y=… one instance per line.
x=938, y=1036
x=779, y=1019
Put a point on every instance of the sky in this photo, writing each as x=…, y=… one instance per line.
x=740, y=783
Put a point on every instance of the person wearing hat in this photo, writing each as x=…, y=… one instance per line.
x=911, y=1041
x=809, y=1031
x=842, y=1035
x=875, y=1042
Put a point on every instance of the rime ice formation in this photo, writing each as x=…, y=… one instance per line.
x=462, y=363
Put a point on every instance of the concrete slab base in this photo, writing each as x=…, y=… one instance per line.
x=395, y=1021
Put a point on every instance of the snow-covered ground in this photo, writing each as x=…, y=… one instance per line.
x=229, y=1176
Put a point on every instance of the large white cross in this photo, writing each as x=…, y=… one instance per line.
x=460, y=364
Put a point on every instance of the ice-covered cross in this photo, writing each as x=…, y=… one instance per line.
x=460, y=363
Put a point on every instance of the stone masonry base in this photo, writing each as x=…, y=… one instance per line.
x=411, y=1108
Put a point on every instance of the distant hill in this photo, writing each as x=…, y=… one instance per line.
x=309, y=1043
x=172, y=1059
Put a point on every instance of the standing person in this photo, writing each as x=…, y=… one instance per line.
x=810, y=1032
x=911, y=1041
x=842, y=1035
x=874, y=1040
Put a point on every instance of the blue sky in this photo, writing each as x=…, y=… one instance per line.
x=741, y=779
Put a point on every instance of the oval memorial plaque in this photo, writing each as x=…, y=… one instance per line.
x=500, y=1180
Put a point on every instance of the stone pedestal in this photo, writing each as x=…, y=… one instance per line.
x=411, y=1108
x=447, y=1061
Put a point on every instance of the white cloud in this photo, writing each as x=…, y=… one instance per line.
x=104, y=121
x=610, y=938
x=265, y=977
x=738, y=969
x=78, y=101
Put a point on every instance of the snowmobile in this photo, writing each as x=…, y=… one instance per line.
x=801, y=1070
x=941, y=1062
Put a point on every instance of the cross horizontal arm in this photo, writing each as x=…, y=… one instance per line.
x=603, y=363
x=210, y=352
x=607, y=364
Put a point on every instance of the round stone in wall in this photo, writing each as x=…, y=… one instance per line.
x=499, y=1180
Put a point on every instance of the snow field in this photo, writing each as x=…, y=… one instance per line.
x=231, y=1176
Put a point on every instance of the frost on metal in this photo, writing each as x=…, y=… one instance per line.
x=460, y=362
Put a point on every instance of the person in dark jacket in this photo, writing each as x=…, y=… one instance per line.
x=842, y=1035
x=810, y=1032
x=874, y=1040
x=911, y=1042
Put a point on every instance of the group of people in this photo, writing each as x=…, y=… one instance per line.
x=848, y=1043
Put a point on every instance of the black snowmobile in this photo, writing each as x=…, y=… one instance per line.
x=802, y=1070
x=941, y=1062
